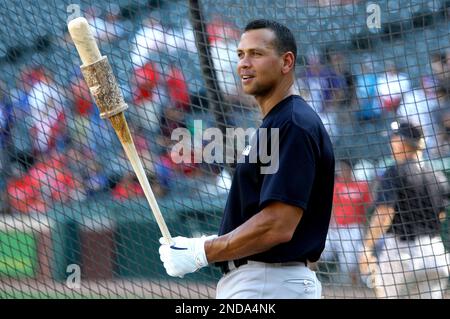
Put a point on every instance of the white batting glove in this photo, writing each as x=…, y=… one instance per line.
x=184, y=256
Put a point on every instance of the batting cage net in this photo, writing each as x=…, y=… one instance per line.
x=74, y=221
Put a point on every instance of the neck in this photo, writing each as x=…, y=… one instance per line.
x=283, y=90
x=410, y=156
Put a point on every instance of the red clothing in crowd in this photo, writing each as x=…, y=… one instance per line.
x=82, y=99
x=185, y=168
x=146, y=80
x=177, y=88
x=25, y=196
x=51, y=178
x=54, y=177
x=127, y=189
x=350, y=201
x=220, y=30
x=46, y=132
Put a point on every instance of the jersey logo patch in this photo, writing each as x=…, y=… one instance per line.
x=246, y=150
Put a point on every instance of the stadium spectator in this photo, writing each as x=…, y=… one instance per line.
x=439, y=117
x=109, y=28
x=327, y=84
x=420, y=107
x=223, y=45
x=367, y=94
x=391, y=87
x=312, y=82
x=167, y=171
x=147, y=100
x=25, y=82
x=181, y=39
x=85, y=166
x=5, y=128
x=145, y=80
x=220, y=30
x=24, y=193
x=438, y=67
x=410, y=206
x=177, y=89
x=341, y=79
x=336, y=80
x=92, y=139
x=48, y=115
x=443, y=135
x=149, y=39
x=81, y=97
x=164, y=168
x=81, y=116
x=22, y=120
x=55, y=180
x=5, y=114
x=446, y=74
x=351, y=202
x=128, y=187
x=146, y=153
x=172, y=118
x=316, y=87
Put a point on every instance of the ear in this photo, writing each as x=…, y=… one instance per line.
x=288, y=61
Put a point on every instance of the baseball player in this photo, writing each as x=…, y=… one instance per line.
x=410, y=205
x=275, y=221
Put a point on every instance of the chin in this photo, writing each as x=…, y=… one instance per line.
x=248, y=91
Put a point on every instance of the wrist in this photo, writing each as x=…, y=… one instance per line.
x=208, y=247
x=200, y=252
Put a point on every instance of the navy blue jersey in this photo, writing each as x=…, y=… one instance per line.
x=303, y=177
x=417, y=194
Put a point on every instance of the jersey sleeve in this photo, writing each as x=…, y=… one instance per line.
x=387, y=189
x=292, y=181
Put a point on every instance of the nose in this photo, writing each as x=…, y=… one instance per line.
x=244, y=63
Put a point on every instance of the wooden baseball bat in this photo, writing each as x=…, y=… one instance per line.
x=103, y=86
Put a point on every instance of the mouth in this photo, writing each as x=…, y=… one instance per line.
x=247, y=79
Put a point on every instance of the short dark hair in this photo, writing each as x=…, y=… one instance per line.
x=284, y=39
x=410, y=132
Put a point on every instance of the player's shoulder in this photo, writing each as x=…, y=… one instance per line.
x=305, y=118
x=292, y=115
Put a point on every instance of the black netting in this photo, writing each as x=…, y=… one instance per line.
x=69, y=199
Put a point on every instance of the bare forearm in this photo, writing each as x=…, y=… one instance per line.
x=379, y=224
x=260, y=233
x=250, y=238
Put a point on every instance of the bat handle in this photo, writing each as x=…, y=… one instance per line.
x=136, y=163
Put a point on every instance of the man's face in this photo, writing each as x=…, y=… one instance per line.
x=260, y=64
x=397, y=146
x=400, y=148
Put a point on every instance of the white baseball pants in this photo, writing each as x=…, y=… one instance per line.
x=258, y=280
x=413, y=269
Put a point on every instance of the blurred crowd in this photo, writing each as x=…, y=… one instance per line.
x=55, y=148
x=374, y=98
x=370, y=101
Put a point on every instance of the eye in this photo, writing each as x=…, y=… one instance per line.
x=240, y=55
